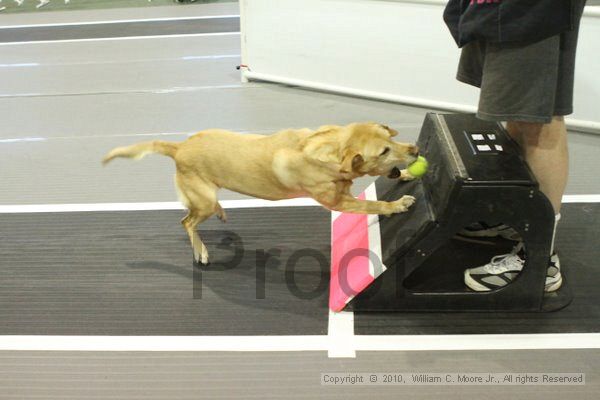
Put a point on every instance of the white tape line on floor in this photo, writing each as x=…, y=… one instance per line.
x=303, y=342
x=168, y=205
x=174, y=205
x=581, y=198
x=340, y=332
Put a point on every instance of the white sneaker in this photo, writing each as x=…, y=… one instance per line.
x=502, y=269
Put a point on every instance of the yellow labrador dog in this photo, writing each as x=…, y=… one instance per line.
x=292, y=163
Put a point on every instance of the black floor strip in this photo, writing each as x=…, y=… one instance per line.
x=120, y=29
x=130, y=273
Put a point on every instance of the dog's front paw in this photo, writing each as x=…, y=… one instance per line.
x=402, y=204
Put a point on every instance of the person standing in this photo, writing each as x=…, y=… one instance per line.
x=521, y=54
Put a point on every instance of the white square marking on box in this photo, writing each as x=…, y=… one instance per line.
x=483, y=147
x=499, y=148
x=477, y=137
x=491, y=136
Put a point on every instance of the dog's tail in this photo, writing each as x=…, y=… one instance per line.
x=140, y=150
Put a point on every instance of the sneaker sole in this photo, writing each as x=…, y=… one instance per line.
x=554, y=286
x=474, y=285
x=478, y=287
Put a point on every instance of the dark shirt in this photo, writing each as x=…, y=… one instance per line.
x=506, y=21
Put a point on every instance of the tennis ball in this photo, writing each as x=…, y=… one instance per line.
x=419, y=167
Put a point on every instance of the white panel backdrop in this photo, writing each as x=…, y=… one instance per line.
x=396, y=50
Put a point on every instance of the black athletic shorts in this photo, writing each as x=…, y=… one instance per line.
x=523, y=82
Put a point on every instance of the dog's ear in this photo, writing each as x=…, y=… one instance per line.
x=391, y=131
x=351, y=162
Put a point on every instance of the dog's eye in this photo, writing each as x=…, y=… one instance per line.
x=385, y=151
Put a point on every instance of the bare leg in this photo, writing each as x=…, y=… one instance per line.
x=545, y=149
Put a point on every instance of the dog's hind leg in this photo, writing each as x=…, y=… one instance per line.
x=190, y=222
x=201, y=199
